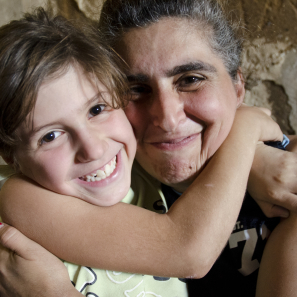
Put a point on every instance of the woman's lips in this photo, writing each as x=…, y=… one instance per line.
x=176, y=143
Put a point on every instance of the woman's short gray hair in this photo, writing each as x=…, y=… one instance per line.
x=118, y=16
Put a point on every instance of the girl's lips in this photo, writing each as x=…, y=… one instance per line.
x=101, y=173
x=105, y=180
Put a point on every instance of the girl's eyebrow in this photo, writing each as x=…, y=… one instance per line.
x=93, y=100
x=89, y=102
x=37, y=129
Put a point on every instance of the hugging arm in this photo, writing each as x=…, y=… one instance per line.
x=185, y=242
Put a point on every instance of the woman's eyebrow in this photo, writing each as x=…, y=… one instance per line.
x=198, y=65
x=142, y=78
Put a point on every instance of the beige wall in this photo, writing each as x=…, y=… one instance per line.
x=13, y=9
x=270, y=58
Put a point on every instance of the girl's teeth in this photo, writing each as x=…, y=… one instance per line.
x=107, y=170
x=100, y=174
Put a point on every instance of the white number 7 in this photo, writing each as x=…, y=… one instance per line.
x=248, y=265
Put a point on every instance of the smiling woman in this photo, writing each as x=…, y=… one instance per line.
x=184, y=105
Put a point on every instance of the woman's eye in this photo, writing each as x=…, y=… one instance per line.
x=97, y=109
x=190, y=80
x=50, y=136
x=138, y=91
x=190, y=83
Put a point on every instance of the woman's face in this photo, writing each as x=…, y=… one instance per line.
x=76, y=145
x=184, y=100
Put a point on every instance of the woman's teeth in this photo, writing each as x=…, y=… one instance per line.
x=101, y=174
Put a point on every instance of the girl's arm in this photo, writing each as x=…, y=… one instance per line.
x=278, y=269
x=185, y=242
x=272, y=182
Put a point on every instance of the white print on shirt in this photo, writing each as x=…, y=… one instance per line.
x=116, y=274
x=250, y=236
x=142, y=293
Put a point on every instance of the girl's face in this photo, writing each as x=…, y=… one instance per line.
x=76, y=144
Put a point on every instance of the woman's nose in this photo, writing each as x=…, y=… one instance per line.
x=167, y=110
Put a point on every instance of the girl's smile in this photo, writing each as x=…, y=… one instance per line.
x=74, y=143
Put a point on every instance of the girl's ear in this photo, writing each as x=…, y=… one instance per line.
x=12, y=161
x=239, y=86
x=8, y=160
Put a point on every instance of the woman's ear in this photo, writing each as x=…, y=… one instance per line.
x=239, y=86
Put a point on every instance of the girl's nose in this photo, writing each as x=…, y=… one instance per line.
x=90, y=146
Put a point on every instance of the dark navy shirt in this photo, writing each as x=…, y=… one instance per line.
x=235, y=272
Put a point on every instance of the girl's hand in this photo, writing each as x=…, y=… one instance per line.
x=272, y=182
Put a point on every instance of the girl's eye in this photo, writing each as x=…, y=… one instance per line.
x=50, y=136
x=97, y=109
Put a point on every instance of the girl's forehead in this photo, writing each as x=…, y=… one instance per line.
x=73, y=67
x=61, y=98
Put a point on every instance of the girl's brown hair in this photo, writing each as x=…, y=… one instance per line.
x=41, y=46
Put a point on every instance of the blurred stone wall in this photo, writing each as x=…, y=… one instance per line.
x=269, y=59
x=13, y=9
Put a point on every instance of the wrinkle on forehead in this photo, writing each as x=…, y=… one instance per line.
x=203, y=30
x=150, y=39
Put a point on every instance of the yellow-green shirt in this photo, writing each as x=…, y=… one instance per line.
x=145, y=192
x=104, y=283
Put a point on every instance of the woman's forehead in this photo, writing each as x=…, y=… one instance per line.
x=165, y=46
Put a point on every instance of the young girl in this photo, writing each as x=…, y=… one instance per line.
x=62, y=129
